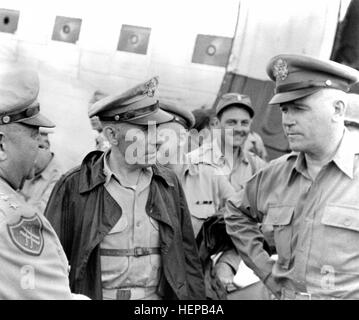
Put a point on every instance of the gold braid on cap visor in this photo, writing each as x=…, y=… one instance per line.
x=25, y=114
x=129, y=115
x=310, y=84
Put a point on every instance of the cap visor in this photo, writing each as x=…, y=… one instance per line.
x=158, y=117
x=38, y=121
x=293, y=95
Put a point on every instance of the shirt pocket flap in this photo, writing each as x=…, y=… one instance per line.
x=341, y=217
x=279, y=215
x=120, y=226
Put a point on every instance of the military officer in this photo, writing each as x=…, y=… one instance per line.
x=309, y=197
x=33, y=263
x=123, y=220
x=226, y=150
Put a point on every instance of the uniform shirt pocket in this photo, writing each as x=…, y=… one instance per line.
x=341, y=237
x=279, y=218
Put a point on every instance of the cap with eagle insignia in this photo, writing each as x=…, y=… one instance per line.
x=298, y=76
x=137, y=105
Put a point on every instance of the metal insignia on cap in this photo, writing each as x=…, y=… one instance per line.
x=280, y=69
x=151, y=87
x=328, y=83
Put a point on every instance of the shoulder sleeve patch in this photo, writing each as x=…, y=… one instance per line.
x=27, y=234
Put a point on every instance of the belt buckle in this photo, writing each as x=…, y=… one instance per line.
x=140, y=251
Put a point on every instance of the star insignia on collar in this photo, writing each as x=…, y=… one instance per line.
x=280, y=69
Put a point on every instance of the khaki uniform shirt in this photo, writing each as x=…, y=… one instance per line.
x=206, y=190
x=134, y=229
x=37, y=191
x=238, y=170
x=315, y=223
x=33, y=263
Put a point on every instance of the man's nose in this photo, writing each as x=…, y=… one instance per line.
x=239, y=127
x=288, y=119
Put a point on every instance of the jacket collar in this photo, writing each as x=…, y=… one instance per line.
x=92, y=172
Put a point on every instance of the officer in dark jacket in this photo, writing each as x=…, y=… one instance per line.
x=123, y=221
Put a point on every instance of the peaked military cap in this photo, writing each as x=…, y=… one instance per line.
x=96, y=96
x=137, y=105
x=19, y=89
x=235, y=99
x=298, y=76
x=180, y=115
x=352, y=112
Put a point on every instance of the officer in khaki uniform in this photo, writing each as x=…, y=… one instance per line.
x=227, y=151
x=310, y=196
x=123, y=220
x=33, y=263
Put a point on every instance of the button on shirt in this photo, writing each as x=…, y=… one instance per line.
x=315, y=223
x=134, y=229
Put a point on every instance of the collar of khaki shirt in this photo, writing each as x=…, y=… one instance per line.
x=145, y=172
x=343, y=158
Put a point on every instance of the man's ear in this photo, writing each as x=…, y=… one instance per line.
x=110, y=134
x=339, y=110
x=3, y=155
